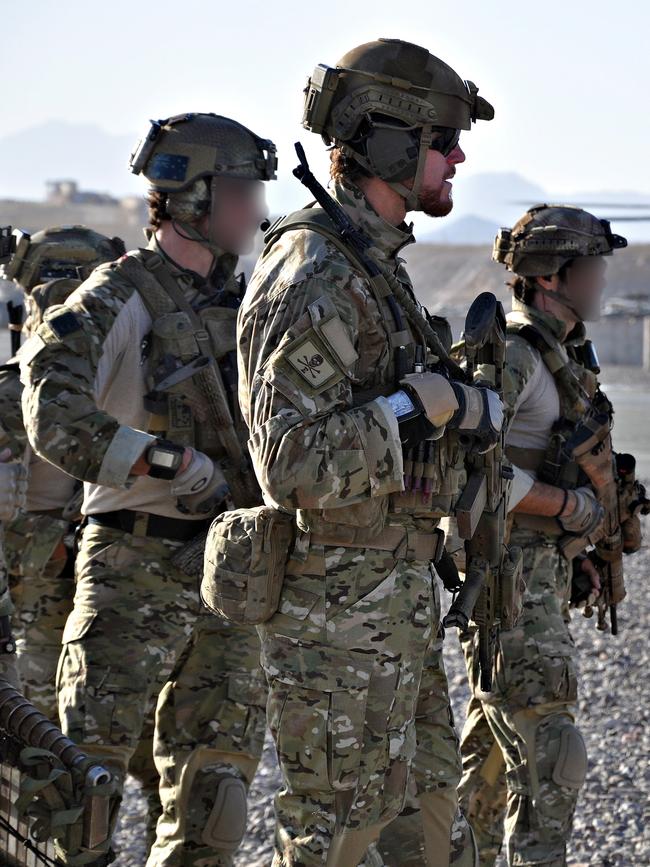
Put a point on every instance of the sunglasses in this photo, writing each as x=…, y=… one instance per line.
x=446, y=139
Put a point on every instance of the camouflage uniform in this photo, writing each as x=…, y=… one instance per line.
x=528, y=721
x=134, y=611
x=41, y=578
x=345, y=652
x=531, y=710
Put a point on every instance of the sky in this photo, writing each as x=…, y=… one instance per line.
x=569, y=80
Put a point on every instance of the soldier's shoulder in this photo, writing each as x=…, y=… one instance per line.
x=109, y=285
x=299, y=255
x=521, y=354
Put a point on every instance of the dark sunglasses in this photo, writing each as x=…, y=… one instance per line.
x=446, y=139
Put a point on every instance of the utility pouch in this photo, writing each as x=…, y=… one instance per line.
x=246, y=554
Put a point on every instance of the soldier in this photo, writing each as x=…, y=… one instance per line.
x=47, y=266
x=13, y=492
x=116, y=395
x=526, y=726
x=336, y=360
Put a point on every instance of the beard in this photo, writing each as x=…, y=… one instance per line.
x=432, y=203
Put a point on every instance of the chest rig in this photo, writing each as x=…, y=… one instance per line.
x=417, y=342
x=582, y=404
x=192, y=368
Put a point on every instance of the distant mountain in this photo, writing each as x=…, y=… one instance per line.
x=97, y=159
x=462, y=230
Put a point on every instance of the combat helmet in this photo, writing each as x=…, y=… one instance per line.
x=182, y=155
x=386, y=103
x=547, y=238
x=71, y=252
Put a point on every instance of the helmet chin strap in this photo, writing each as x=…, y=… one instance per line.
x=191, y=233
x=563, y=299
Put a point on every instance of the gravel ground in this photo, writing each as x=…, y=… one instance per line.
x=613, y=816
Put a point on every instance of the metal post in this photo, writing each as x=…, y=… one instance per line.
x=646, y=343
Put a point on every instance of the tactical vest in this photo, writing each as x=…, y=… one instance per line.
x=440, y=464
x=581, y=403
x=190, y=357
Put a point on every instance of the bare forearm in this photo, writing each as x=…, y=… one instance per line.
x=546, y=500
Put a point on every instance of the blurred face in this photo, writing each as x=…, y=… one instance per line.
x=240, y=208
x=436, y=191
x=584, y=284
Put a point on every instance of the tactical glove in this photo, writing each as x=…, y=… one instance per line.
x=478, y=411
x=201, y=487
x=586, y=516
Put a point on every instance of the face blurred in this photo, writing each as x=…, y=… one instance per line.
x=436, y=191
x=240, y=208
x=584, y=284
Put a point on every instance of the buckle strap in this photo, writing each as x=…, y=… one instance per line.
x=404, y=543
x=146, y=524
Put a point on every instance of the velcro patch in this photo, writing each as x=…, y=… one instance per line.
x=64, y=324
x=307, y=358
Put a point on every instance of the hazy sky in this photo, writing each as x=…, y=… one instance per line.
x=569, y=80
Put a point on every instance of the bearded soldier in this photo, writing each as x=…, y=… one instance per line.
x=526, y=726
x=340, y=370
x=131, y=387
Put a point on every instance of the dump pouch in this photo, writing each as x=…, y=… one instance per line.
x=246, y=554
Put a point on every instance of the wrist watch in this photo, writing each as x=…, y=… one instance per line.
x=405, y=405
x=164, y=459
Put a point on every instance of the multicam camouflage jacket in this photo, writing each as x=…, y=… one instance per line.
x=316, y=364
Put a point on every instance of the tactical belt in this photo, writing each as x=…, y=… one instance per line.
x=145, y=524
x=405, y=544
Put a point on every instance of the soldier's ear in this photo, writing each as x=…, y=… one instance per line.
x=551, y=283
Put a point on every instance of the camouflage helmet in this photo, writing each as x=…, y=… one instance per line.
x=383, y=105
x=549, y=236
x=180, y=156
x=44, y=296
x=58, y=252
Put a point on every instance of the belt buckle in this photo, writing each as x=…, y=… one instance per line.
x=140, y=524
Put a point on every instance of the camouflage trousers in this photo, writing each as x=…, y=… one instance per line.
x=524, y=760
x=134, y=613
x=432, y=829
x=42, y=588
x=344, y=657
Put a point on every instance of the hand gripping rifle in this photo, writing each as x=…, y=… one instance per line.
x=489, y=594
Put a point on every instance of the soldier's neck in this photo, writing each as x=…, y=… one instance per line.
x=387, y=203
x=558, y=310
x=184, y=252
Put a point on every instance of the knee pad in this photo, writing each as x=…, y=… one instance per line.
x=213, y=798
x=226, y=825
x=570, y=767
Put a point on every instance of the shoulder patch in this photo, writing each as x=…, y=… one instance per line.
x=307, y=358
x=64, y=323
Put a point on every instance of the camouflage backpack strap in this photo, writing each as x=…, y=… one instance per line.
x=385, y=286
x=316, y=220
x=574, y=399
x=199, y=375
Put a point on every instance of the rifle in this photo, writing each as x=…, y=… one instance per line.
x=489, y=593
x=624, y=499
x=66, y=792
x=7, y=243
